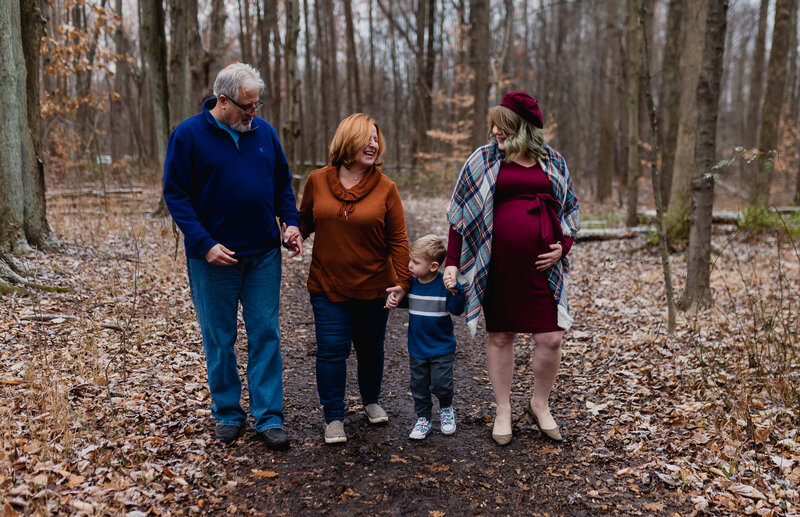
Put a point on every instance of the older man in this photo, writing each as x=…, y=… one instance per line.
x=226, y=179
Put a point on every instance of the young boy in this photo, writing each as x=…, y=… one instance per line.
x=431, y=343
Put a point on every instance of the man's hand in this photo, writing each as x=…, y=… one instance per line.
x=396, y=294
x=292, y=240
x=219, y=255
x=548, y=259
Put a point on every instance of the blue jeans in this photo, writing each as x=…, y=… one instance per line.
x=338, y=324
x=216, y=292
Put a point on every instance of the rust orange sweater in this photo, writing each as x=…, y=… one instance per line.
x=360, y=243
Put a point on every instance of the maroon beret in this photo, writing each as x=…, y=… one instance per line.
x=525, y=106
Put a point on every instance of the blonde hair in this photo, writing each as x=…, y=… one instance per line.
x=430, y=247
x=522, y=137
x=351, y=136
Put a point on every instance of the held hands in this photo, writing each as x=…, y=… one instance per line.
x=449, y=278
x=292, y=240
x=548, y=259
x=396, y=294
x=219, y=255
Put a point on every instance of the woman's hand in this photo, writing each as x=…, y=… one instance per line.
x=546, y=260
x=396, y=294
x=449, y=278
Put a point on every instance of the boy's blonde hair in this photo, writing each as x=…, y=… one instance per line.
x=429, y=247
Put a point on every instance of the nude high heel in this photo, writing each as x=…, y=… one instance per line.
x=530, y=417
x=501, y=439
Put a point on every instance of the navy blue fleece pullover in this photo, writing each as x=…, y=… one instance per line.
x=227, y=192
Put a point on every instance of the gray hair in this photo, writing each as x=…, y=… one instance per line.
x=235, y=76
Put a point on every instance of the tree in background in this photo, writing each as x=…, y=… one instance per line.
x=632, y=64
x=698, y=274
x=23, y=220
x=769, y=134
x=677, y=221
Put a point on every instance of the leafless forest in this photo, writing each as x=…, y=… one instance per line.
x=678, y=120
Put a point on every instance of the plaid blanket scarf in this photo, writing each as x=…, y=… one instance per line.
x=471, y=215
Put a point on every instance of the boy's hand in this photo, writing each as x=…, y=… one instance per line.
x=396, y=294
x=449, y=278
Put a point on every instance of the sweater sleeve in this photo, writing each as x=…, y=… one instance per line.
x=454, y=240
x=456, y=302
x=284, y=202
x=567, y=244
x=307, y=208
x=178, y=179
x=396, y=237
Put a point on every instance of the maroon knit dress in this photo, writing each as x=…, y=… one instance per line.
x=517, y=297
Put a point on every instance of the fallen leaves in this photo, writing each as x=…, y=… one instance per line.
x=268, y=474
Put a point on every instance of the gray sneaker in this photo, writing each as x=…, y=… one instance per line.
x=375, y=414
x=334, y=432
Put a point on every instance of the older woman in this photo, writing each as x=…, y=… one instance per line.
x=360, y=250
x=513, y=218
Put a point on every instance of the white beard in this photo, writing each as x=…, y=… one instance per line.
x=241, y=127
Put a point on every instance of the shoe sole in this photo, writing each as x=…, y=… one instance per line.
x=379, y=420
x=448, y=433
x=337, y=439
x=418, y=437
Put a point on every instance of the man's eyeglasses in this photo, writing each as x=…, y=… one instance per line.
x=251, y=107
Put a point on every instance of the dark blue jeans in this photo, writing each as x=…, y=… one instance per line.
x=361, y=323
x=216, y=292
x=434, y=375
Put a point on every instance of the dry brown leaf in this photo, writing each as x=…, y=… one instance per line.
x=435, y=513
x=746, y=491
x=655, y=507
x=264, y=473
x=396, y=458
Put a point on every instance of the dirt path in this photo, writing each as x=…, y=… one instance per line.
x=381, y=471
x=106, y=411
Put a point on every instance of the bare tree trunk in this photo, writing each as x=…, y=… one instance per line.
x=267, y=22
x=605, y=146
x=683, y=165
x=179, y=78
x=121, y=78
x=84, y=118
x=216, y=46
x=20, y=28
x=697, y=292
x=325, y=84
x=654, y=170
x=769, y=134
x=154, y=53
x=499, y=67
x=396, y=80
x=291, y=131
x=308, y=138
x=353, y=82
x=671, y=95
x=632, y=50
x=37, y=231
x=479, y=56
x=244, y=31
x=371, y=101
x=757, y=77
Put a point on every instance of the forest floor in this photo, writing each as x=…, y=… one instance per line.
x=104, y=407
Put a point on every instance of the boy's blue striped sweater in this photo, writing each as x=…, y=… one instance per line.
x=430, y=328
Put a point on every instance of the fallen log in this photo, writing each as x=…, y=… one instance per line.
x=608, y=234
